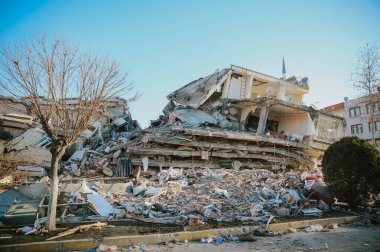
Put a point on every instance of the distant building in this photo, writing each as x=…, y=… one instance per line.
x=357, y=115
x=336, y=109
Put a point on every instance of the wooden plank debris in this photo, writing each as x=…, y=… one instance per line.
x=79, y=229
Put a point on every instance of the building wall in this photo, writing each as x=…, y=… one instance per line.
x=235, y=88
x=360, y=119
x=295, y=124
x=340, y=113
x=261, y=91
x=254, y=84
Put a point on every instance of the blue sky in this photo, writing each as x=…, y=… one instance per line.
x=163, y=45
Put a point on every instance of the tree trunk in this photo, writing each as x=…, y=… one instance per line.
x=54, y=181
x=372, y=121
x=373, y=128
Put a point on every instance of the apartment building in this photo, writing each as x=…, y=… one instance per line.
x=357, y=113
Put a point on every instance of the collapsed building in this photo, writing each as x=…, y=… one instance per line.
x=24, y=137
x=237, y=117
x=14, y=118
x=214, y=154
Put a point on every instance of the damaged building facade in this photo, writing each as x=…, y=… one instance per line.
x=240, y=117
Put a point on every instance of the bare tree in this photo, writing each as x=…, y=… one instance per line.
x=366, y=80
x=44, y=75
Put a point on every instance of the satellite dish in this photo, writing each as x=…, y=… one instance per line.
x=269, y=90
x=289, y=98
x=305, y=80
x=345, y=99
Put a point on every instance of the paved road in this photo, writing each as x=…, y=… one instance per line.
x=341, y=239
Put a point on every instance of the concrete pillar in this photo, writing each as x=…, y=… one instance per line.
x=226, y=87
x=281, y=92
x=263, y=120
x=248, y=90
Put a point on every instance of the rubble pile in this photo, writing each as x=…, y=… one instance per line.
x=195, y=196
x=10, y=176
x=148, y=151
x=246, y=195
x=181, y=196
x=188, y=147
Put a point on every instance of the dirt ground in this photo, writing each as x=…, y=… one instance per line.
x=341, y=239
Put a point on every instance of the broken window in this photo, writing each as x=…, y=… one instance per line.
x=272, y=125
x=252, y=122
x=329, y=129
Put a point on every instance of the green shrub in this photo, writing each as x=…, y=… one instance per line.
x=351, y=170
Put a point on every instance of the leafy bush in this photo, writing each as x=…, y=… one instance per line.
x=351, y=170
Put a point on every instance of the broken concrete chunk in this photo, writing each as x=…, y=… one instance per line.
x=152, y=191
x=100, y=205
x=75, y=171
x=31, y=137
x=120, y=122
x=194, y=117
x=311, y=212
x=139, y=189
x=236, y=164
x=222, y=120
x=282, y=211
x=34, y=191
x=145, y=161
x=107, y=171
x=256, y=209
x=33, y=171
x=78, y=156
x=107, y=149
x=134, y=207
x=84, y=189
x=116, y=154
x=222, y=192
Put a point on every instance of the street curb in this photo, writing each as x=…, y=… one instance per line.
x=124, y=241
x=323, y=222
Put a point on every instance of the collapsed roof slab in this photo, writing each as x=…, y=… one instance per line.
x=270, y=101
x=197, y=92
x=238, y=147
x=232, y=135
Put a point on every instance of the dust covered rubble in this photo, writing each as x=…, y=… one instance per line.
x=197, y=196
